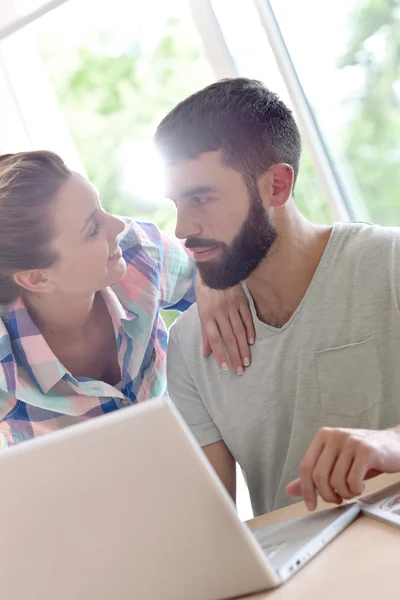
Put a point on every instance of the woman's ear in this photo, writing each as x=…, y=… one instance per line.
x=34, y=280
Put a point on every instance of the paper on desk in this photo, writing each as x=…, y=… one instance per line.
x=384, y=504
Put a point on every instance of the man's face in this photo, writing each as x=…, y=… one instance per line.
x=221, y=217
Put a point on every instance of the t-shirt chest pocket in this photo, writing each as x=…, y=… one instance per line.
x=349, y=378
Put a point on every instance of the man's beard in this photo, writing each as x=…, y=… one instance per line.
x=244, y=254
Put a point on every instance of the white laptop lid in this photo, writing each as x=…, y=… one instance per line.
x=123, y=506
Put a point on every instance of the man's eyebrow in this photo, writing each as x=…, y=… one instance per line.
x=90, y=218
x=196, y=190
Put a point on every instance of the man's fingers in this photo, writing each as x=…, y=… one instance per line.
x=293, y=489
x=307, y=466
x=322, y=474
x=357, y=474
x=372, y=473
x=337, y=463
x=339, y=476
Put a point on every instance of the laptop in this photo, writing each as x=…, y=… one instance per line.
x=126, y=506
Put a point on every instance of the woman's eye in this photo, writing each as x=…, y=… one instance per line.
x=95, y=230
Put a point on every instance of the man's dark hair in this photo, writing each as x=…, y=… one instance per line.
x=248, y=123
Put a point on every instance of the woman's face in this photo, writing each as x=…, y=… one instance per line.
x=89, y=257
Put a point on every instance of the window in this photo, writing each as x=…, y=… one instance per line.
x=114, y=74
x=347, y=58
x=253, y=57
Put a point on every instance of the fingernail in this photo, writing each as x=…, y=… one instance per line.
x=246, y=362
x=251, y=341
x=224, y=367
x=239, y=371
x=310, y=505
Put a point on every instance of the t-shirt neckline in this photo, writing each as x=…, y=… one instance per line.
x=324, y=258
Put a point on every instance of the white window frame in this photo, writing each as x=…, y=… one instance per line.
x=333, y=184
x=335, y=189
x=17, y=21
x=30, y=116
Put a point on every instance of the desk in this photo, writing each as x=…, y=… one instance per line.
x=363, y=562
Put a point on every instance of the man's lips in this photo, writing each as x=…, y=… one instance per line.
x=202, y=249
x=203, y=253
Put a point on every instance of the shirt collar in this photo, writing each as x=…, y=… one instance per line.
x=117, y=312
x=21, y=343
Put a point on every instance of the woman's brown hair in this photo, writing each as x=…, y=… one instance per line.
x=29, y=181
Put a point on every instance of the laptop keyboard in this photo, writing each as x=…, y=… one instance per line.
x=271, y=550
x=269, y=547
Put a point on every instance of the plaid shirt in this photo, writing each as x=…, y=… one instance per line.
x=38, y=395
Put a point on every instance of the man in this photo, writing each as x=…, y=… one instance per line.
x=324, y=385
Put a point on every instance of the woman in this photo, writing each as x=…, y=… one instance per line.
x=71, y=346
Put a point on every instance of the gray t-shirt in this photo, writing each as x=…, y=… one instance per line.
x=335, y=363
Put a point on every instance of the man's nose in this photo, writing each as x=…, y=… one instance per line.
x=186, y=225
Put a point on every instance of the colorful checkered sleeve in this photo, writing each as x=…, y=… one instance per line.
x=176, y=264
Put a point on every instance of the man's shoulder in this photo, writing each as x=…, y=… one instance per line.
x=186, y=341
x=362, y=233
x=366, y=242
x=185, y=359
x=187, y=329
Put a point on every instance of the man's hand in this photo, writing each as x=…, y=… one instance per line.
x=339, y=460
x=225, y=316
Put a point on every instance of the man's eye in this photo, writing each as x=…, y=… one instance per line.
x=200, y=200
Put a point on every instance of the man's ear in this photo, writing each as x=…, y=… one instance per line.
x=34, y=280
x=282, y=184
x=279, y=180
